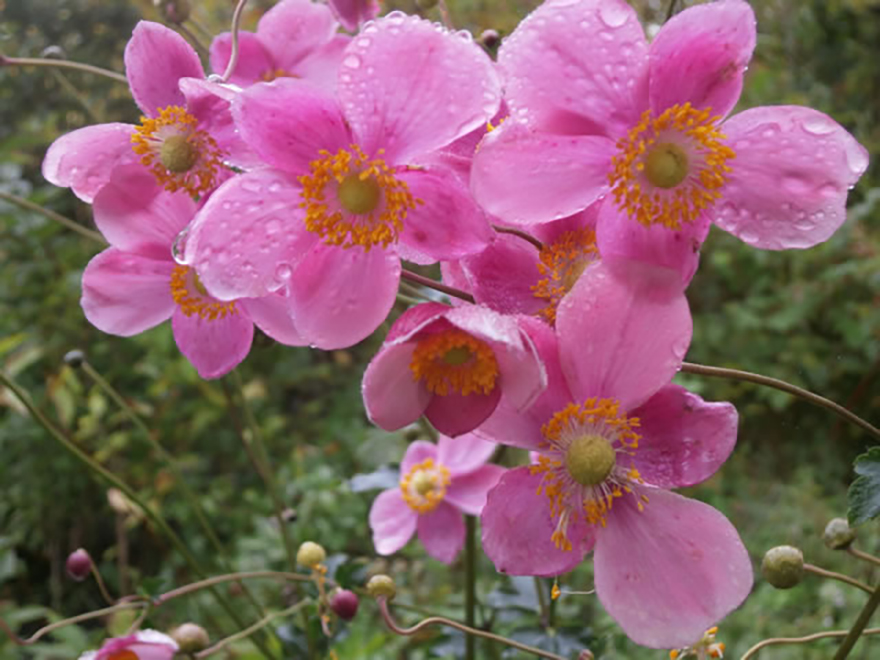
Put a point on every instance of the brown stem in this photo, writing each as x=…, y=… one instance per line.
x=840, y=577
x=45, y=630
x=64, y=64
x=236, y=24
x=231, y=577
x=802, y=640
x=864, y=556
x=521, y=234
x=437, y=286
x=57, y=217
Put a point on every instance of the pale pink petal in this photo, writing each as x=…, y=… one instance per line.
x=125, y=294
x=517, y=527
x=84, y=159
x=253, y=59
x=294, y=28
x=339, y=297
x=392, y=521
x=156, y=58
x=670, y=572
x=442, y=532
x=414, y=320
x=503, y=276
x=700, y=56
x=321, y=66
x=455, y=413
x=684, y=439
x=153, y=651
x=452, y=273
x=468, y=491
x=409, y=87
x=577, y=68
x=446, y=223
x=351, y=13
x=790, y=177
x=623, y=331
x=271, y=314
x=417, y=452
x=392, y=396
x=525, y=177
x=464, y=454
x=214, y=347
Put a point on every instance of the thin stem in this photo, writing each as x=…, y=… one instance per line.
x=444, y=14
x=193, y=39
x=542, y=602
x=94, y=116
x=775, y=383
x=671, y=10
x=520, y=234
x=859, y=626
x=57, y=217
x=64, y=64
x=252, y=628
x=201, y=28
x=437, y=286
x=101, y=586
x=470, y=593
x=45, y=630
x=831, y=575
x=236, y=25
x=231, y=577
x=864, y=556
x=802, y=640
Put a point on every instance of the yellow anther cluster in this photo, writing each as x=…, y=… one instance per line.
x=686, y=131
x=274, y=74
x=706, y=648
x=190, y=296
x=424, y=486
x=593, y=411
x=454, y=361
x=561, y=263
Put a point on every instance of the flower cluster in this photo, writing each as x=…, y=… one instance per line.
x=565, y=191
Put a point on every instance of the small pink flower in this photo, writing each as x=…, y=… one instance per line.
x=609, y=436
x=142, y=645
x=437, y=484
x=451, y=364
x=354, y=13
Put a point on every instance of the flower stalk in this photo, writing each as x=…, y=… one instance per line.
x=63, y=64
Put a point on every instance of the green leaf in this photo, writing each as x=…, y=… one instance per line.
x=864, y=494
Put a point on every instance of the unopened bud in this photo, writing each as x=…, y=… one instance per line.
x=174, y=11
x=838, y=534
x=79, y=565
x=310, y=554
x=586, y=655
x=191, y=638
x=381, y=585
x=490, y=39
x=344, y=603
x=783, y=566
x=74, y=358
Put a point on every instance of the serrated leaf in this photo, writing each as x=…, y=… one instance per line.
x=864, y=493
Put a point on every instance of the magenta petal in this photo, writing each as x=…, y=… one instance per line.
x=525, y=177
x=577, y=67
x=253, y=59
x=468, y=491
x=670, y=572
x=700, y=55
x=464, y=454
x=442, y=532
x=351, y=13
x=417, y=452
x=392, y=521
x=271, y=314
x=392, y=397
x=684, y=439
x=790, y=177
x=156, y=58
x=84, y=159
x=623, y=331
x=294, y=28
x=397, y=81
x=321, y=66
x=503, y=276
x=125, y=294
x=455, y=413
x=213, y=347
x=517, y=527
x=415, y=319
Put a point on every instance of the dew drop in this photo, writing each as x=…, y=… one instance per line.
x=818, y=125
x=612, y=14
x=396, y=17
x=178, y=247
x=352, y=61
x=856, y=157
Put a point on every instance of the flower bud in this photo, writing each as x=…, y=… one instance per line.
x=381, y=585
x=79, y=565
x=344, y=603
x=490, y=39
x=783, y=566
x=310, y=554
x=74, y=358
x=174, y=11
x=191, y=638
x=838, y=534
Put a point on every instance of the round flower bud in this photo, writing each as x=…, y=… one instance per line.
x=381, y=585
x=310, y=554
x=783, y=566
x=174, y=11
x=74, y=358
x=490, y=39
x=344, y=603
x=838, y=534
x=191, y=638
x=79, y=565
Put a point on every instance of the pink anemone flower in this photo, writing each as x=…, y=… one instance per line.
x=354, y=13
x=611, y=435
x=142, y=645
x=437, y=484
x=598, y=114
x=350, y=194
x=295, y=38
x=135, y=284
x=452, y=364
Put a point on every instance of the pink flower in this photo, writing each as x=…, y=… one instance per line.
x=598, y=114
x=135, y=284
x=353, y=13
x=296, y=38
x=451, y=364
x=437, y=484
x=350, y=194
x=143, y=645
x=611, y=435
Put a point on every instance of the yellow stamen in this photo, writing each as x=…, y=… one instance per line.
x=424, y=486
x=555, y=592
x=274, y=74
x=453, y=360
x=561, y=263
x=190, y=295
x=670, y=168
x=125, y=654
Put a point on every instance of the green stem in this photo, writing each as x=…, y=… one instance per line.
x=232, y=577
x=60, y=219
x=45, y=630
x=252, y=628
x=233, y=55
x=802, y=640
x=840, y=577
x=542, y=602
x=64, y=64
x=864, y=556
x=470, y=594
x=859, y=626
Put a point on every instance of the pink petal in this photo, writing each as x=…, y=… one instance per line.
x=525, y=177
x=577, y=68
x=392, y=521
x=464, y=454
x=213, y=347
x=416, y=452
x=271, y=314
x=351, y=13
x=455, y=413
x=669, y=573
x=468, y=491
x=503, y=276
x=446, y=224
x=442, y=532
x=700, y=57
x=321, y=66
x=517, y=527
x=84, y=159
x=156, y=58
x=339, y=297
x=125, y=294
x=294, y=28
x=392, y=397
x=415, y=319
x=790, y=177
x=398, y=82
x=623, y=331
x=253, y=59
x=685, y=440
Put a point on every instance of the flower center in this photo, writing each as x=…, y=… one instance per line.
x=125, y=654
x=424, y=486
x=561, y=263
x=178, y=154
x=191, y=296
x=669, y=169
x=590, y=459
x=453, y=360
x=352, y=200
x=274, y=74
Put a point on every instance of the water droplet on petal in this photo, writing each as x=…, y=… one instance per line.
x=178, y=247
x=856, y=157
x=352, y=61
x=819, y=125
x=612, y=14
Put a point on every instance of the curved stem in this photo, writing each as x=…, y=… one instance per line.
x=193, y=39
x=859, y=626
x=437, y=286
x=57, y=217
x=864, y=556
x=520, y=234
x=840, y=577
x=236, y=25
x=801, y=640
x=252, y=628
x=231, y=577
x=105, y=594
x=45, y=630
x=63, y=64
x=775, y=383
